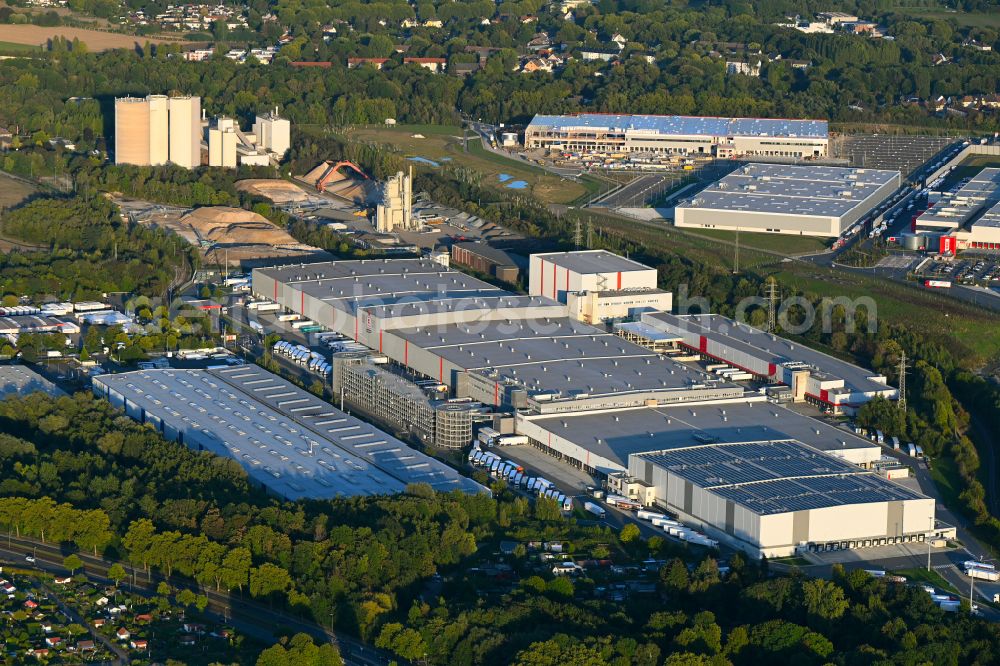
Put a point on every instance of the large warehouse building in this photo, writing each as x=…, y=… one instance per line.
x=829, y=383
x=966, y=219
x=288, y=440
x=777, y=497
x=788, y=199
x=597, y=400
x=679, y=135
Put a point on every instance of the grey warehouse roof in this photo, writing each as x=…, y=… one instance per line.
x=771, y=477
x=687, y=125
x=616, y=435
x=777, y=349
x=21, y=380
x=812, y=190
x=592, y=261
x=558, y=354
x=977, y=202
x=287, y=439
x=401, y=286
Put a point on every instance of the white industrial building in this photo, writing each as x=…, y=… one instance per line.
x=775, y=498
x=596, y=399
x=288, y=440
x=788, y=199
x=828, y=382
x=597, y=285
x=395, y=211
x=273, y=133
x=678, y=135
x=185, y=131
x=969, y=218
x=22, y=380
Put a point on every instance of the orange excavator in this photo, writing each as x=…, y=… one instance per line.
x=332, y=171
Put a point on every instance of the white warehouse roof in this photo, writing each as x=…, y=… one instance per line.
x=707, y=126
x=289, y=440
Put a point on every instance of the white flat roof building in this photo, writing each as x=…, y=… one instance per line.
x=287, y=439
x=679, y=135
x=971, y=215
x=788, y=199
x=775, y=498
x=22, y=380
x=554, y=274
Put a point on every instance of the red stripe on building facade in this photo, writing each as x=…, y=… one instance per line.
x=771, y=369
x=380, y=342
x=702, y=344
x=496, y=393
x=619, y=280
x=441, y=370
x=406, y=353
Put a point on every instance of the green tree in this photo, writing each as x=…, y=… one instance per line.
x=73, y=562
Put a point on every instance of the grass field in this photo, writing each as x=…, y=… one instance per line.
x=963, y=19
x=973, y=335
x=924, y=576
x=96, y=40
x=784, y=243
x=442, y=144
x=8, y=48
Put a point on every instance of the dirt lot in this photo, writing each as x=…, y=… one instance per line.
x=36, y=35
x=13, y=191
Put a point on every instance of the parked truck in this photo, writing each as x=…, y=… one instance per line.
x=594, y=509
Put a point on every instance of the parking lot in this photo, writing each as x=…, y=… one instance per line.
x=898, y=261
x=971, y=270
x=902, y=153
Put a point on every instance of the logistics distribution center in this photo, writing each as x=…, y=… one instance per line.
x=966, y=219
x=679, y=135
x=289, y=441
x=780, y=481
x=808, y=200
x=827, y=382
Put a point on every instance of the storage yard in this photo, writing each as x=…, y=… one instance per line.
x=289, y=441
x=802, y=200
x=243, y=237
x=600, y=401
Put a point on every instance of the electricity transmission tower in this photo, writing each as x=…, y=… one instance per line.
x=902, y=381
x=772, y=305
x=577, y=235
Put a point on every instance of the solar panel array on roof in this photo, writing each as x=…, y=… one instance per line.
x=777, y=476
x=707, y=126
x=793, y=189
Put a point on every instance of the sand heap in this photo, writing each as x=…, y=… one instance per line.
x=274, y=189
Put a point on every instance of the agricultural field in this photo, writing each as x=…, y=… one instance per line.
x=440, y=145
x=962, y=19
x=96, y=40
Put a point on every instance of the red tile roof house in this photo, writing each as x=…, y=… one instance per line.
x=139, y=644
x=30, y=603
x=52, y=641
x=85, y=646
x=145, y=617
x=99, y=622
x=123, y=634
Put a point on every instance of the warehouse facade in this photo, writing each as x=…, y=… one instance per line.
x=823, y=380
x=779, y=498
x=679, y=135
x=788, y=199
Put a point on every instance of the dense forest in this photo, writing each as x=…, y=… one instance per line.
x=73, y=470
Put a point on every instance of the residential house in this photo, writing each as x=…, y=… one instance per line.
x=939, y=59
x=46, y=627
x=431, y=64
x=979, y=46
x=744, y=68
x=138, y=644
x=99, y=622
x=433, y=23
x=123, y=634
x=590, y=54
x=991, y=101
x=85, y=646
x=321, y=65
x=836, y=18
x=464, y=68
x=377, y=63
x=968, y=101
x=619, y=39
x=532, y=65
x=648, y=56
x=539, y=42
x=53, y=641
x=31, y=604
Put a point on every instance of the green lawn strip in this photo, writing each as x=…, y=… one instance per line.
x=931, y=577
